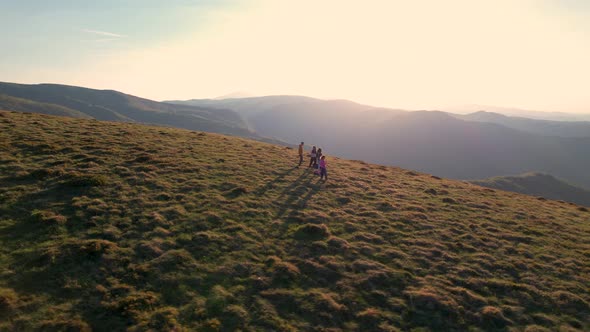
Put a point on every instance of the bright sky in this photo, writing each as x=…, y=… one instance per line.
x=417, y=54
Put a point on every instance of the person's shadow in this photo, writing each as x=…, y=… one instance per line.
x=278, y=179
x=295, y=196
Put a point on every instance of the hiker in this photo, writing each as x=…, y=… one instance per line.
x=301, y=153
x=313, y=155
x=316, y=167
x=323, y=170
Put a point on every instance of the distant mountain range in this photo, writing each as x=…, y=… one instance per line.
x=517, y=112
x=468, y=147
x=538, y=184
x=236, y=94
x=541, y=127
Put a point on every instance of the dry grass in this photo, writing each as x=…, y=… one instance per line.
x=115, y=226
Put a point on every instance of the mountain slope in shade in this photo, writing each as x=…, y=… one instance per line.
x=117, y=226
x=540, y=127
x=116, y=106
x=26, y=105
x=538, y=184
x=432, y=142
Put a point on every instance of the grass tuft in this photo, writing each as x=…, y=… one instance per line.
x=48, y=217
x=85, y=180
x=312, y=232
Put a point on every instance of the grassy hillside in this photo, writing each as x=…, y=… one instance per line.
x=538, y=184
x=115, y=226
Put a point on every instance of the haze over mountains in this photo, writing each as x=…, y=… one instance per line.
x=474, y=146
x=517, y=112
x=535, y=126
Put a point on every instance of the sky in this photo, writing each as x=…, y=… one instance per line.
x=413, y=54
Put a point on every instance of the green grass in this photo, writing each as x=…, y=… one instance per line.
x=114, y=226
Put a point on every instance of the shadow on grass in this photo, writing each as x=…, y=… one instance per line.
x=271, y=184
x=52, y=195
x=56, y=199
x=296, y=195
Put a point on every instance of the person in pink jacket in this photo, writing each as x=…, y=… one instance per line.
x=323, y=170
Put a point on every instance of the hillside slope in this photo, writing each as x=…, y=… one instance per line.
x=115, y=226
x=538, y=184
x=116, y=106
x=26, y=105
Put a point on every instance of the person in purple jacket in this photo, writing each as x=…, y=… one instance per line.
x=323, y=169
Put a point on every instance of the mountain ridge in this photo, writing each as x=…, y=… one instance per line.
x=567, y=129
x=518, y=112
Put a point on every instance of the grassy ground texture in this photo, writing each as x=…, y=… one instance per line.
x=115, y=226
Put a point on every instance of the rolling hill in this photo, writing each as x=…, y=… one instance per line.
x=26, y=105
x=116, y=106
x=120, y=226
x=538, y=184
x=428, y=141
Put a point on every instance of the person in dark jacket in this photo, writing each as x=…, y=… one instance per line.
x=313, y=155
x=301, y=153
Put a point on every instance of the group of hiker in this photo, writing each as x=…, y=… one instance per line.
x=317, y=161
